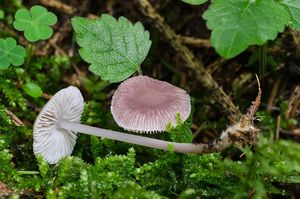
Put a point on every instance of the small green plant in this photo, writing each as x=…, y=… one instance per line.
x=35, y=23
x=32, y=89
x=11, y=53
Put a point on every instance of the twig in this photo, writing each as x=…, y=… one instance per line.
x=273, y=95
x=14, y=118
x=110, y=6
x=46, y=96
x=192, y=62
x=278, y=127
x=205, y=43
x=296, y=38
x=59, y=6
x=215, y=65
x=294, y=132
x=294, y=103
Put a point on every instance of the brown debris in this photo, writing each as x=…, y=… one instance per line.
x=4, y=190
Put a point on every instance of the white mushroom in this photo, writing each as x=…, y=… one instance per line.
x=51, y=141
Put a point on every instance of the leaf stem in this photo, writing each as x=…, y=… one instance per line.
x=19, y=83
x=30, y=52
x=262, y=59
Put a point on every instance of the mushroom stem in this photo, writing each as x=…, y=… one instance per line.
x=143, y=141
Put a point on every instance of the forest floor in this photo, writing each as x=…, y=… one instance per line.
x=181, y=54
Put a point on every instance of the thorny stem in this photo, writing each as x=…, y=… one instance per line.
x=254, y=107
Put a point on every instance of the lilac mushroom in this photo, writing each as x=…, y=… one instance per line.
x=144, y=104
x=55, y=129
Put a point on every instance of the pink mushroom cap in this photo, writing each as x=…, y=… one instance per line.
x=144, y=104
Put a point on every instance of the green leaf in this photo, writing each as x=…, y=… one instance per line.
x=195, y=2
x=11, y=53
x=114, y=48
x=237, y=24
x=1, y=14
x=32, y=89
x=35, y=23
x=293, y=8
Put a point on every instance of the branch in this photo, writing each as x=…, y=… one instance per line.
x=14, y=118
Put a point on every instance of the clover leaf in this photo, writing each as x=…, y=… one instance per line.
x=35, y=23
x=114, y=48
x=11, y=53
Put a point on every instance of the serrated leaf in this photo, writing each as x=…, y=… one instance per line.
x=293, y=8
x=237, y=24
x=114, y=48
x=35, y=23
x=32, y=89
x=11, y=53
x=195, y=2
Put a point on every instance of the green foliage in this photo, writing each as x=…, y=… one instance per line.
x=293, y=8
x=271, y=163
x=1, y=14
x=11, y=94
x=32, y=89
x=35, y=23
x=182, y=132
x=133, y=190
x=11, y=53
x=3, y=115
x=195, y=2
x=206, y=176
x=114, y=48
x=243, y=23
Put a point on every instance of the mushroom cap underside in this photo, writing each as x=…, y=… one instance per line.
x=50, y=141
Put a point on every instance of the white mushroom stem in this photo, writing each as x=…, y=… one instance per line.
x=149, y=142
